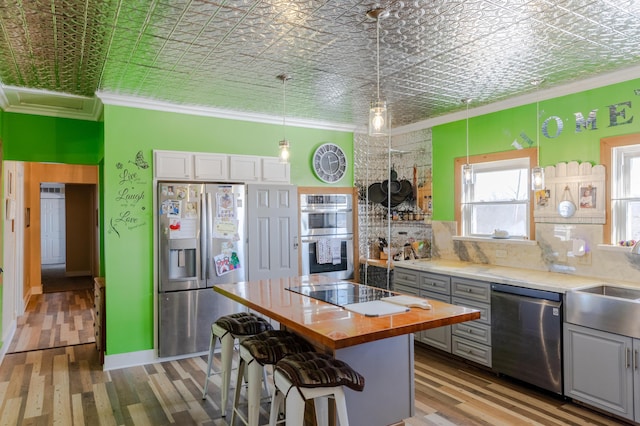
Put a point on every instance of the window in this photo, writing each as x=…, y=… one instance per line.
x=625, y=193
x=499, y=197
x=621, y=157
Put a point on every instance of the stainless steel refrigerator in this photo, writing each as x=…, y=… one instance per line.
x=201, y=242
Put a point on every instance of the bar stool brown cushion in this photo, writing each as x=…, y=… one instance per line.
x=271, y=346
x=243, y=324
x=312, y=369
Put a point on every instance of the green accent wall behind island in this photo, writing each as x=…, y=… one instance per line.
x=128, y=224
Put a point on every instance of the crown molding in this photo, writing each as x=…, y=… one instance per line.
x=53, y=104
x=136, y=102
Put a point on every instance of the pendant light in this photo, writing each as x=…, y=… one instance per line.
x=378, y=118
x=467, y=169
x=537, y=173
x=284, y=143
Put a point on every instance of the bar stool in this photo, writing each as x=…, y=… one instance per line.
x=256, y=352
x=316, y=376
x=226, y=329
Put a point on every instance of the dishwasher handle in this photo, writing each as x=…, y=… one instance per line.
x=526, y=292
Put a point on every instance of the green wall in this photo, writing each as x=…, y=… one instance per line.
x=51, y=139
x=615, y=107
x=128, y=217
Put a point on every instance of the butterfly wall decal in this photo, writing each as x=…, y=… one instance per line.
x=139, y=161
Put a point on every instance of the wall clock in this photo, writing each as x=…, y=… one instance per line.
x=329, y=163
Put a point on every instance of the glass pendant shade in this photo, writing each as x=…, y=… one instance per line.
x=537, y=178
x=284, y=151
x=467, y=173
x=378, y=119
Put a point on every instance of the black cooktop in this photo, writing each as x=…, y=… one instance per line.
x=341, y=293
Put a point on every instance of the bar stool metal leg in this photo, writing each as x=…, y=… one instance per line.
x=256, y=376
x=226, y=355
x=212, y=347
x=277, y=403
x=226, y=343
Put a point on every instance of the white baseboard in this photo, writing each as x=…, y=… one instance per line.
x=131, y=359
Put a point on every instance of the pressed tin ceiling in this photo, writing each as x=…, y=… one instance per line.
x=226, y=54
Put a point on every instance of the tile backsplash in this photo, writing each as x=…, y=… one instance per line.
x=566, y=248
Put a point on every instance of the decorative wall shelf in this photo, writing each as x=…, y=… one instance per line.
x=582, y=184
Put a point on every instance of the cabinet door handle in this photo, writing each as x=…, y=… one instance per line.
x=626, y=357
x=635, y=359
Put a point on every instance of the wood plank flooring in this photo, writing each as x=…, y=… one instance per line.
x=65, y=385
x=55, y=319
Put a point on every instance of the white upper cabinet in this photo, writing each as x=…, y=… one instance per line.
x=275, y=171
x=245, y=168
x=180, y=165
x=173, y=165
x=211, y=166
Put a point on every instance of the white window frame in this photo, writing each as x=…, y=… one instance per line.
x=516, y=157
x=620, y=187
x=607, y=146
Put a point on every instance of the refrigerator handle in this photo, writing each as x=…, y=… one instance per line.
x=209, y=219
x=203, y=238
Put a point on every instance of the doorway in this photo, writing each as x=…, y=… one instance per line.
x=65, y=228
x=60, y=257
x=52, y=224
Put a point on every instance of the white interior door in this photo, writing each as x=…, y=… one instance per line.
x=52, y=228
x=272, y=216
x=13, y=243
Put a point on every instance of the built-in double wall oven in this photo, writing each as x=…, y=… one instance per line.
x=326, y=234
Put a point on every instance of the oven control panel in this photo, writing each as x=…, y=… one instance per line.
x=326, y=201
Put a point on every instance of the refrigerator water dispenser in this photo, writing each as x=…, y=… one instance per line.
x=183, y=262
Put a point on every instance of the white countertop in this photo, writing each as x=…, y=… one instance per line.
x=541, y=280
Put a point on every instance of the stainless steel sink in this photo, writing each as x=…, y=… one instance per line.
x=613, y=291
x=605, y=307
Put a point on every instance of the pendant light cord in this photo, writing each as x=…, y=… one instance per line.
x=538, y=122
x=378, y=54
x=284, y=105
x=467, y=102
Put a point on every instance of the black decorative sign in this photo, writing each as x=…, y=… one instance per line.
x=130, y=196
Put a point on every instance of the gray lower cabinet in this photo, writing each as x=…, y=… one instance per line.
x=601, y=369
x=471, y=339
x=408, y=282
x=436, y=287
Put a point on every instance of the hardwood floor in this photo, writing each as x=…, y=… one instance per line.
x=452, y=392
x=55, y=319
x=67, y=386
x=53, y=376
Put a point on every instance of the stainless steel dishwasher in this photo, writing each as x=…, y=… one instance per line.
x=526, y=335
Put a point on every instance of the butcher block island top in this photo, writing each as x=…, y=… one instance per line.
x=334, y=326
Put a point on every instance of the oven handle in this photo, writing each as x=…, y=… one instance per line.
x=325, y=209
x=328, y=237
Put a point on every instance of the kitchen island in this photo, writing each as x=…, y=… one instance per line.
x=380, y=347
